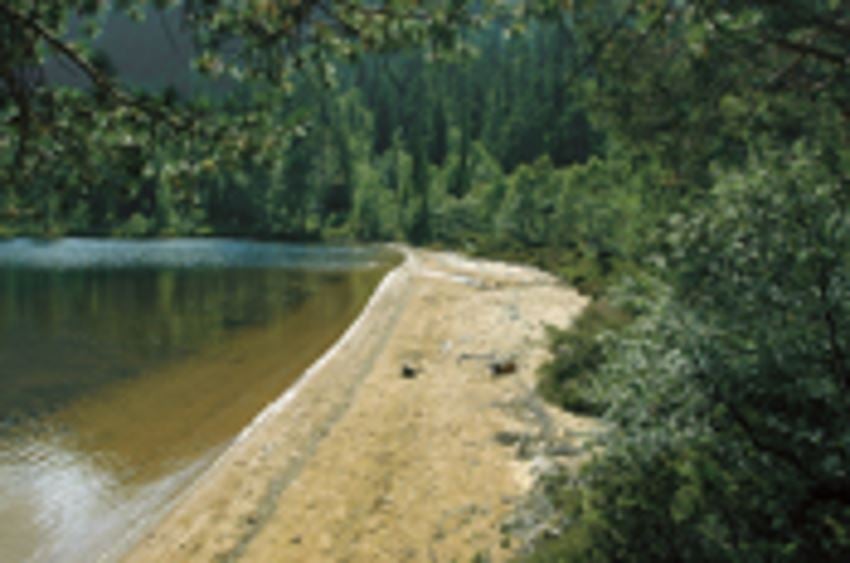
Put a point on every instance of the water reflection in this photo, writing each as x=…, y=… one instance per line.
x=62, y=332
x=57, y=504
x=120, y=380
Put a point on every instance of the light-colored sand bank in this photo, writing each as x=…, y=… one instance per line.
x=358, y=463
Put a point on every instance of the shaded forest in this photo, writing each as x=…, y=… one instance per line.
x=685, y=162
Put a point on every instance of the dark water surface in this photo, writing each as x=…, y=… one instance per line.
x=126, y=367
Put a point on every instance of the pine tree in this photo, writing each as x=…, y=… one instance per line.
x=438, y=146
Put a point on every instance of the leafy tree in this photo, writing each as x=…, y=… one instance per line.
x=525, y=214
x=725, y=396
x=728, y=393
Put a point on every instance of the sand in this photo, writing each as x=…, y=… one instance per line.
x=359, y=463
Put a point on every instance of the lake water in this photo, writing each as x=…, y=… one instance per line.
x=127, y=367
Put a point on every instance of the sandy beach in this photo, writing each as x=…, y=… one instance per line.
x=361, y=461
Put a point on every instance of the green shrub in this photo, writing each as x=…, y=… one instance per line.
x=578, y=354
x=726, y=398
x=136, y=226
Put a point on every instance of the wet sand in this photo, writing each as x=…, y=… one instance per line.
x=358, y=463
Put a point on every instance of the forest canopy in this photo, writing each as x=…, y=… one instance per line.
x=686, y=162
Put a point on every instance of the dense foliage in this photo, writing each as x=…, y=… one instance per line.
x=686, y=161
x=727, y=393
x=115, y=157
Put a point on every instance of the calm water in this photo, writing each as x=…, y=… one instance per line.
x=126, y=367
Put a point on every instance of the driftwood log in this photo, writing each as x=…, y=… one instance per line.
x=497, y=364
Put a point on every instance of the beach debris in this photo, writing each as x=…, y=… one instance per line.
x=499, y=365
x=466, y=356
x=504, y=366
x=409, y=372
x=562, y=449
x=505, y=438
x=542, y=466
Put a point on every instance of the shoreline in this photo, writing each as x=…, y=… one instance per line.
x=304, y=379
x=322, y=456
x=134, y=535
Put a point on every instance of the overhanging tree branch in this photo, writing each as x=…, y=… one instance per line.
x=97, y=78
x=809, y=49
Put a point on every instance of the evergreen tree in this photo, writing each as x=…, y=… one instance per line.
x=438, y=147
x=418, y=230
